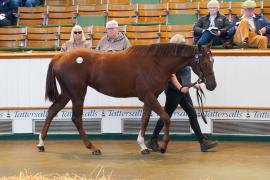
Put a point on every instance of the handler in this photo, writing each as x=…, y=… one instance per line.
x=177, y=92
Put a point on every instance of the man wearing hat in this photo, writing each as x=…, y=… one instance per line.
x=212, y=27
x=114, y=40
x=250, y=29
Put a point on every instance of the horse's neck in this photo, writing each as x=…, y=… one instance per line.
x=171, y=64
x=183, y=58
x=183, y=62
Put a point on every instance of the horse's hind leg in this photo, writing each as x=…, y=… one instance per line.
x=152, y=102
x=59, y=104
x=144, y=123
x=77, y=110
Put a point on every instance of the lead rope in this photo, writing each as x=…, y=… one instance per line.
x=200, y=99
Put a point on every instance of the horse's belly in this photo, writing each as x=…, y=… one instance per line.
x=118, y=94
x=121, y=90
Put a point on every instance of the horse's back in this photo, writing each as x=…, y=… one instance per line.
x=111, y=73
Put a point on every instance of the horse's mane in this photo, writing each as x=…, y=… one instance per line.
x=161, y=50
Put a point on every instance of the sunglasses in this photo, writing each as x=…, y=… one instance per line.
x=249, y=9
x=77, y=32
x=213, y=8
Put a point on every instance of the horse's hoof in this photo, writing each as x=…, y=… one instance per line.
x=162, y=150
x=96, y=152
x=145, y=152
x=41, y=148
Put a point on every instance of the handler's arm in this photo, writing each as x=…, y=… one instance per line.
x=177, y=84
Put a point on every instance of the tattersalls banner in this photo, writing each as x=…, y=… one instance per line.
x=135, y=113
x=111, y=120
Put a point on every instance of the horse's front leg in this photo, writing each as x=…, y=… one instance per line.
x=152, y=102
x=59, y=104
x=144, y=123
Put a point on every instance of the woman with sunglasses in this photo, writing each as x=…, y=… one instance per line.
x=177, y=92
x=77, y=40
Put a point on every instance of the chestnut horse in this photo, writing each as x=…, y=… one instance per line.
x=140, y=71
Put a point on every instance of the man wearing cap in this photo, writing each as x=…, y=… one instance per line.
x=250, y=29
x=212, y=27
x=114, y=40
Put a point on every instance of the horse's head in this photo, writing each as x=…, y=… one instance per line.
x=202, y=65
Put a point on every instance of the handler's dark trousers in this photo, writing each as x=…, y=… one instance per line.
x=173, y=98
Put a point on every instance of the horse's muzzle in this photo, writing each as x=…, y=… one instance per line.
x=211, y=86
x=210, y=82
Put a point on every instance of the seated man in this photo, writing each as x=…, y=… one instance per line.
x=250, y=29
x=7, y=8
x=114, y=40
x=212, y=27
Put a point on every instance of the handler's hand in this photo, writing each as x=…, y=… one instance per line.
x=197, y=86
x=218, y=33
x=184, y=89
x=262, y=31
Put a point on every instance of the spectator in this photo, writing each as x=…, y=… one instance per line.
x=77, y=40
x=114, y=40
x=18, y=3
x=28, y=3
x=7, y=8
x=212, y=27
x=32, y=3
x=250, y=29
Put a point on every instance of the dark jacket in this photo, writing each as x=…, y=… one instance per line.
x=8, y=7
x=259, y=20
x=221, y=22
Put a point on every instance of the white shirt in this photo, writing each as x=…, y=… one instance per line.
x=212, y=18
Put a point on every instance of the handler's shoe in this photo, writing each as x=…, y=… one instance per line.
x=153, y=145
x=207, y=144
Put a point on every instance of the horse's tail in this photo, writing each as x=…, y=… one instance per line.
x=51, y=87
